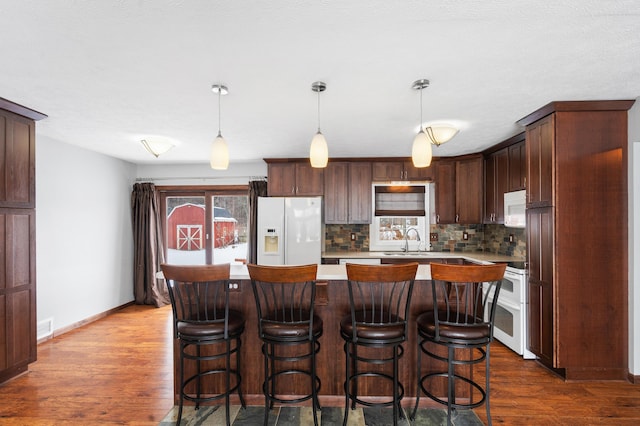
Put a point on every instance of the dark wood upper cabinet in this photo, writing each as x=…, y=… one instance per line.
x=445, y=188
x=360, y=192
x=496, y=184
x=469, y=184
x=540, y=162
x=419, y=173
x=17, y=161
x=336, y=193
x=347, y=197
x=387, y=170
x=294, y=178
x=517, y=166
x=309, y=180
x=400, y=170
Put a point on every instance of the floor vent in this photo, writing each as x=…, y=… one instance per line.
x=45, y=328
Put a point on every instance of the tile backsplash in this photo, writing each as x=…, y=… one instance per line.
x=480, y=238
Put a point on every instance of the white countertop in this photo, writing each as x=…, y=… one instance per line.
x=473, y=256
x=339, y=272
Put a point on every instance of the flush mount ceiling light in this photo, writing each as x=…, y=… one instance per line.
x=157, y=146
x=318, y=153
x=440, y=133
x=219, y=150
x=436, y=134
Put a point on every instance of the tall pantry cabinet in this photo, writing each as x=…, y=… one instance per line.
x=17, y=229
x=576, y=154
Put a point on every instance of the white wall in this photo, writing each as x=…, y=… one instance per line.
x=634, y=239
x=84, y=240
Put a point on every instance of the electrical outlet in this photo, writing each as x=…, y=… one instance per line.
x=234, y=287
x=353, y=236
x=511, y=238
x=465, y=235
x=433, y=236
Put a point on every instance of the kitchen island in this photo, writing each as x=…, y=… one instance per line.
x=332, y=304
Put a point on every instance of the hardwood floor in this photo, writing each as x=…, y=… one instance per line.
x=118, y=370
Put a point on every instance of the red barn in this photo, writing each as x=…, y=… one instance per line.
x=185, y=227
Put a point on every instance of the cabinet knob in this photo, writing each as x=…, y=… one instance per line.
x=437, y=218
x=457, y=218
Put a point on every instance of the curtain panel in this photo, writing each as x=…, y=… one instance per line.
x=148, y=251
x=257, y=188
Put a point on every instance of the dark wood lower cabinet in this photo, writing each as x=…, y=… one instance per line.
x=332, y=304
x=17, y=292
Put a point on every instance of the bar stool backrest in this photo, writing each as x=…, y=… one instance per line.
x=284, y=294
x=199, y=293
x=380, y=295
x=461, y=302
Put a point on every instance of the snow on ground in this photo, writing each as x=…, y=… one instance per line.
x=196, y=257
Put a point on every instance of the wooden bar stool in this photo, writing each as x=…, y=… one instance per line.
x=200, y=302
x=461, y=322
x=379, y=299
x=287, y=324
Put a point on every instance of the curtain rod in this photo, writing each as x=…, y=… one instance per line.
x=200, y=178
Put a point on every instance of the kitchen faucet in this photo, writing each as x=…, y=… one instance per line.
x=406, y=239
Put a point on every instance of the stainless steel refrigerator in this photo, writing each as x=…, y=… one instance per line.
x=289, y=230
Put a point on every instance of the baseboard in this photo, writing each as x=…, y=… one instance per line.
x=83, y=322
x=633, y=379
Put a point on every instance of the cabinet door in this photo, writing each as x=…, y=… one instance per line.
x=17, y=161
x=540, y=231
x=445, y=192
x=468, y=193
x=489, y=189
x=281, y=180
x=501, y=170
x=388, y=170
x=540, y=145
x=360, y=192
x=309, y=180
x=17, y=292
x=418, y=173
x=517, y=167
x=336, y=193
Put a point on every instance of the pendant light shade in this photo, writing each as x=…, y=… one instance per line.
x=319, y=152
x=219, y=153
x=219, y=159
x=421, y=153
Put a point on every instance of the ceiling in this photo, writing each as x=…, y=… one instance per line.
x=110, y=73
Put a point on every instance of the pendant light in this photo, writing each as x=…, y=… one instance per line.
x=421, y=152
x=318, y=153
x=219, y=150
x=435, y=134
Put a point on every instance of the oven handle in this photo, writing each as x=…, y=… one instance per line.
x=513, y=275
x=507, y=304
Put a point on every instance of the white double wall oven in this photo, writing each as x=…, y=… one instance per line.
x=510, y=325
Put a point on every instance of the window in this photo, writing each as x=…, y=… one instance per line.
x=205, y=225
x=388, y=233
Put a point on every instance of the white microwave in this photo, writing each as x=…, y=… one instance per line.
x=515, y=204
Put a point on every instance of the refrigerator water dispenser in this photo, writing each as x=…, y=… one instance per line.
x=271, y=241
